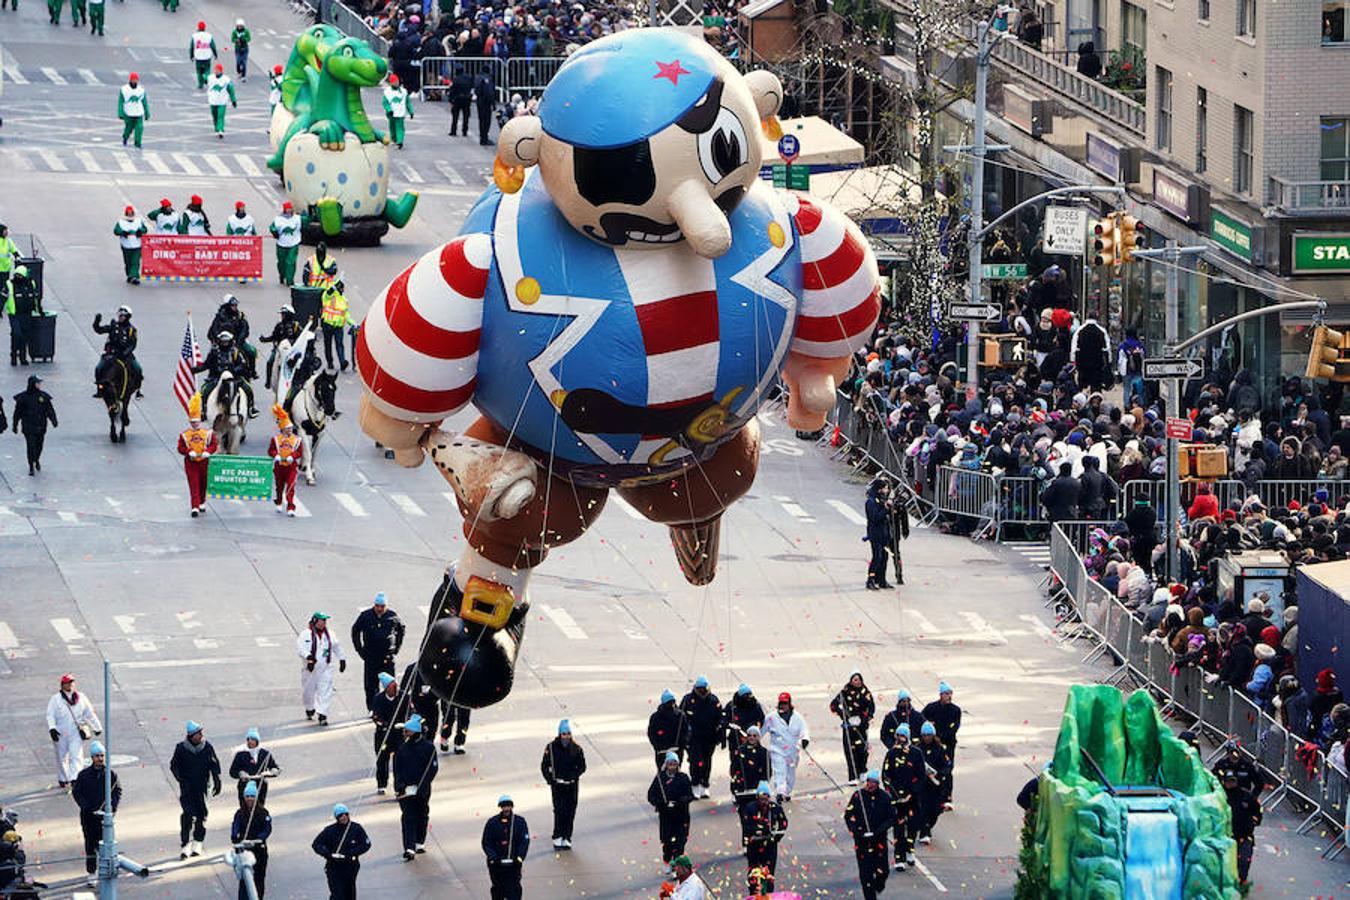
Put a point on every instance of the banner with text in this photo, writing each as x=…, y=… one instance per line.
x=176, y=257
x=239, y=477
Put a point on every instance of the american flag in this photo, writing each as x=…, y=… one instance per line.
x=184, y=382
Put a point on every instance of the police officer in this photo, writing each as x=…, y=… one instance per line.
x=667, y=730
x=855, y=708
x=334, y=319
x=33, y=411
x=288, y=328
x=563, y=765
x=670, y=795
x=506, y=843
x=935, y=784
x=749, y=765
x=1246, y=815
x=253, y=765
x=903, y=714
x=120, y=345
x=415, y=767
x=341, y=844
x=229, y=317
x=703, y=713
x=377, y=636
x=1238, y=763
x=194, y=765
x=88, y=794
x=225, y=357
x=945, y=717
x=249, y=831
x=868, y=815
x=878, y=532
x=903, y=774
x=21, y=304
x=321, y=270
x=763, y=824
x=385, y=710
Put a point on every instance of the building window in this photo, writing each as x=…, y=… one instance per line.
x=1201, y=128
x=1336, y=149
x=1133, y=26
x=1333, y=21
x=1163, y=139
x=1246, y=18
x=1244, y=139
x=1203, y=11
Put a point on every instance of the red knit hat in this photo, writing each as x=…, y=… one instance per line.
x=133, y=77
x=276, y=70
x=1295, y=506
x=219, y=68
x=785, y=697
x=201, y=26
x=129, y=211
x=195, y=199
x=164, y=203
x=1326, y=681
x=239, y=204
x=1178, y=590
x=1270, y=635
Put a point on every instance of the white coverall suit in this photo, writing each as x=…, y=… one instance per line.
x=67, y=718
x=316, y=688
x=785, y=749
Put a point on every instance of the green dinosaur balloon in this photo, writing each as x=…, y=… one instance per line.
x=333, y=162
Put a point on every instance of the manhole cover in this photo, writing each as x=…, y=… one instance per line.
x=1000, y=751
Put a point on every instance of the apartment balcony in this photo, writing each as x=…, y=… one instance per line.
x=1066, y=83
x=1309, y=198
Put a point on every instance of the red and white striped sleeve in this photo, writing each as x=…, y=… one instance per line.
x=841, y=296
x=418, y=348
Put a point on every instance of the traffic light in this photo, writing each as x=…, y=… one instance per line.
x=1325, y=353
x=1105, y=241
x=1130, y=237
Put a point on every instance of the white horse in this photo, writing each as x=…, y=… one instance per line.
x=312, y=398
x=227, y=407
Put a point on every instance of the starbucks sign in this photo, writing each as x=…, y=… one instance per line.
x=1321, y=254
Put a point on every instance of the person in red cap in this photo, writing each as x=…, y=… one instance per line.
x=786, y=734
x=71, y=721
x=274, y=87
x=219, y=91
x=201, y=50
x=286, y=229
x=129, y=230
x=133, y=108
x=241, y=223
x=397, y=107
x=165, y=220
x=1324, y=698
x=194, y=221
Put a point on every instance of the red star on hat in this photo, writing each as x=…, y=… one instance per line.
x=671, y=70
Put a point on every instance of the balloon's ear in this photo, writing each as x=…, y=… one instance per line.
x=518, y=141
x=767, y=91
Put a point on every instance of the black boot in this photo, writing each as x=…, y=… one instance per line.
x=467, y=663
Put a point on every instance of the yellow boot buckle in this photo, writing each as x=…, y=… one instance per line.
x=487, y=603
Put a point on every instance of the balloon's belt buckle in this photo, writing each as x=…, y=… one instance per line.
x=487, y=603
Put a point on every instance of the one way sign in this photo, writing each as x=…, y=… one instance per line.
x=1173, y=367
x=974, y=312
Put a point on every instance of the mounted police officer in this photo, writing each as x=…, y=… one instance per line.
x=120, y=345
x=309, y=366
x=230, y=318
x=226, y=357
x=288, y=328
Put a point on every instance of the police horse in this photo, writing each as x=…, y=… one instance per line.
x=227, y=408
x=116, y=383
x=312, y=398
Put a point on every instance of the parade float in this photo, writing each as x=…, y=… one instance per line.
x=618, y=308
x=1126, y=810
x=333, y=163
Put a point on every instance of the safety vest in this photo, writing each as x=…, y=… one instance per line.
x=334, y=308
x=287, y=447
x=234, y=225
x=202, y=42
x=319, y=276
x=133, y=101
x=397, y=98
x=9, y=252
x=129, y=232
x=218, y=89
x=197, y=439
x=287, y=230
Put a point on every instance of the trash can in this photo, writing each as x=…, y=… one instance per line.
x=41, y=333
x=308, y=305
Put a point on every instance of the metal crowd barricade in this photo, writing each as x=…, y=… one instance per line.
x=1336, y=806
x=1019, y=502
x=1278, y=492
x=1308, y=782
x=1272, y=752
x=970, y=493
x=1245, y=723
x=530, y=75
x=352, y=25
x=438, y=70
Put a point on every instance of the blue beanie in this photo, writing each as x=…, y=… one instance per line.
x=505, y=800
x=671, y=757
x=927, y=728
x=903, y=730
x=385, y=680
x=251, y=790
x=874, y=775
x=97, y=749
x=340, y=809
x=253, y=735
x=944, y=687
x=763, y=788
x=192, y=727
x=667, y=696
x=565, y=727
x=700, y=682
x=379, y=600
x=743, y=690
x=903, y=695
x=414, y=724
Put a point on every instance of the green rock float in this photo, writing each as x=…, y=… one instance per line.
x=332, y=161
x=1126, y=811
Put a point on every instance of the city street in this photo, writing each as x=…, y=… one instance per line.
x=100, y=560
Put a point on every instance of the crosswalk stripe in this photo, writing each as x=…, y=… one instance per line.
x=349, y=503
x=156, y=163
x=246, y=164
x=301, y=511
x=8, y=640
x=448, y=171
x=407, y=505
x=189, y=620
x=54, y=162
x=982, y=627
x=626, y=507
x=53, y=76
x=410, y=173
x=206, y=643
x=124, y=162
x=847, y=512
x=66, y=630
x=13, y=75
x=925, y=626
x=6, y=511
x=216, y=163
x=794, y=509
x=87, y=161
x=68, y=516
x=126, y=623
x=21, y=162
x=144, y=646
x=566, y=624
x=188, y=166
x=88, y=76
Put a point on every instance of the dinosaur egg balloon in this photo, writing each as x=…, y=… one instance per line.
x=357, y=176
